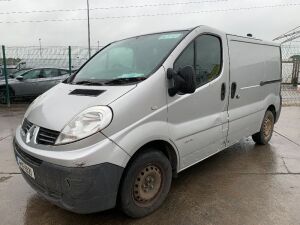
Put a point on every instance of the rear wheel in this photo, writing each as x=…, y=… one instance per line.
x=264, y=135
x=146, y=184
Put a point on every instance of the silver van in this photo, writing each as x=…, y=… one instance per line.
x=142, y=110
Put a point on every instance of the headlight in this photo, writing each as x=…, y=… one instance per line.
x=85, y=124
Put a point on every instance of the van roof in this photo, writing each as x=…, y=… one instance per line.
x=253, y=40
x=238, y=37
x=244, y=38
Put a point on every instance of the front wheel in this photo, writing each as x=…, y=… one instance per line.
x=264, y=135
x=146, y=183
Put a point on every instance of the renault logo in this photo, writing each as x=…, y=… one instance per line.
x=31, y=133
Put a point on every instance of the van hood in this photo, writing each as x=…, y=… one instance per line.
x=56, y=107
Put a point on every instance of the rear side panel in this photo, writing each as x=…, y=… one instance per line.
x=255, y=67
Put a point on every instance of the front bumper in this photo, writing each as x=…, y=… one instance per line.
x=94, y=150
x=77, y=189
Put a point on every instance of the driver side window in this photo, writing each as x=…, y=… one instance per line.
x=33, y=74
x=187, y=57
x=204, y=54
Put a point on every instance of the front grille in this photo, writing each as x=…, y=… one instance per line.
x=26, y=126
x=46, y=136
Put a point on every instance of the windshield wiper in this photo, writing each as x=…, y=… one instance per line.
x=125, y=80
x=89, y=82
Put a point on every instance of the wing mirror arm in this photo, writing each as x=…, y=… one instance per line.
x=177, y=82
x=183, y=81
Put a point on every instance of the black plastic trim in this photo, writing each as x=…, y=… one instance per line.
x=26, y=156
x=223, y=91
x=86, y=92
x=262, y=83
x=46, y=136
x=77, y=189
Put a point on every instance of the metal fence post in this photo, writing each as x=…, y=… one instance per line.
x=70, y=61
x=295, y=73
x=5, y=76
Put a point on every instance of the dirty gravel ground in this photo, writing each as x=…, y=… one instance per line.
x=245, y=184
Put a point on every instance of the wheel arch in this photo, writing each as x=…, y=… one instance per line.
x=166, y=147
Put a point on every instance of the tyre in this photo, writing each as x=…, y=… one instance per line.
x=145, y=184
x=264, y=135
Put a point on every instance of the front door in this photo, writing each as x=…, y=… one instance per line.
x=198, y=122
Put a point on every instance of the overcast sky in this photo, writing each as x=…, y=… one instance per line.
x=266, y=23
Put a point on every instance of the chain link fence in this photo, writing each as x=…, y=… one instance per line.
x=290, y=64
x=19, y=60
x=71, y=58
x=290, y=74
x=50, y=56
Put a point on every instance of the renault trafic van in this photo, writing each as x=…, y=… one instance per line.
x=142, y=110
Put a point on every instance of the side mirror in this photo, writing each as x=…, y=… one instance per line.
x=20, y=78
x=184, y=80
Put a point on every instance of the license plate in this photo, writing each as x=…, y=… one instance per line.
x=27, y=169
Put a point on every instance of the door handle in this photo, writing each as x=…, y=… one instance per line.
x=233, y=89
x=223, y=91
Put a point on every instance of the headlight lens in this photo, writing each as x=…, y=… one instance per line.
x=85, y=124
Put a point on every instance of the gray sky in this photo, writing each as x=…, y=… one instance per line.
x=265, y=23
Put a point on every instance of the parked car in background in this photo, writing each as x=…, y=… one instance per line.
x=11, y=69
x=33, y=82
x=18, y=73
x=9, y=74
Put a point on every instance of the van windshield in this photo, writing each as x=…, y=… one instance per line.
x=129, y=60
